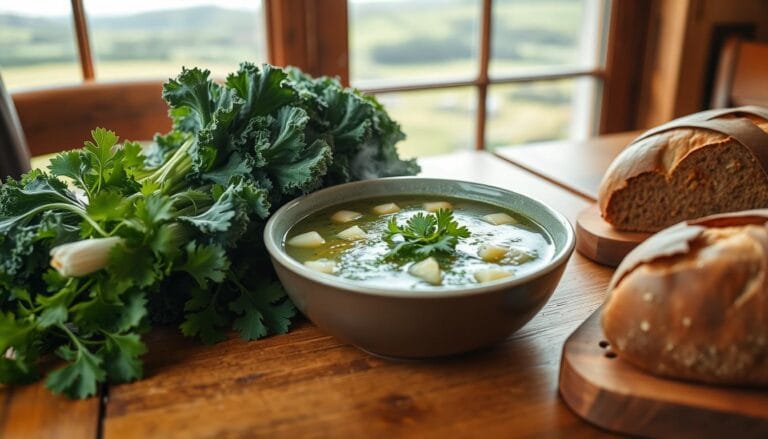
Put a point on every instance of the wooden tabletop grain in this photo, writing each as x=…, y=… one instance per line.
x=575, y=166
x=308, y=384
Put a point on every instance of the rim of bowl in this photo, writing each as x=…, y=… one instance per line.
x=277, y=251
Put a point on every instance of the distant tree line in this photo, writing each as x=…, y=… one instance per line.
x=419, y=49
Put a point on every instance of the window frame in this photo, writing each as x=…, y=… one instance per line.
x=619, y=77
x=298, y=34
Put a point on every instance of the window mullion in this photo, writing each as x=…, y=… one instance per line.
x=299, y=34
x=482, y=78
x=625, y=67
x=83, y=40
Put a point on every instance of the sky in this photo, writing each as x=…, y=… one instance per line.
x=53, y=8
x=57, y=8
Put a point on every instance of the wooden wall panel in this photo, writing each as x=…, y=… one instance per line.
x=680, y=34
x=61, y=118
x=667, y=27
x=625, y=57
x=703, y=17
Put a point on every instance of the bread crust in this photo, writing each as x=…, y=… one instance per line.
x=662, y=154
x=693, y=302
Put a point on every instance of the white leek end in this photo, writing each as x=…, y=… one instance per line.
x=81, y=258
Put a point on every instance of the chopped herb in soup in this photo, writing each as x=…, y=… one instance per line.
x=419, y=242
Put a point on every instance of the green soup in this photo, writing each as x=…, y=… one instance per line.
x=495, y=249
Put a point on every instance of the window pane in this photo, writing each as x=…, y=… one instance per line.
x=435, y=121
x=535, y=34
x=415, y=40
x=37, y=44
x=539, y=111
x=154, y=39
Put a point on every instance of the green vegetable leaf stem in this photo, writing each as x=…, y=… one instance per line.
x=183, y=219
x=424, y=235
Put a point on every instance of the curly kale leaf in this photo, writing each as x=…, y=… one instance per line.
x=290, y=132
x=187, y=218
x=192, y=97
x=363, y=135
x=164, y=146
x=36, y=213
x=20, y=201
x=378, y=157
x=262, y=90
x=228, y=218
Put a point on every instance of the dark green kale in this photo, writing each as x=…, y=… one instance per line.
x=173, y=234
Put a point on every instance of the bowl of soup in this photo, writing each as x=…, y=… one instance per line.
x=412, y=267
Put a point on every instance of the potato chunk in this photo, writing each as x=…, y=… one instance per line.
x=434, y=206
x=491, y=253
x=500, y=218
x=383, y=209
x=353, y=233
x=521, y=255
x=307, y=240
x=427, y=270
x=322, y=265
x=345, y=216
x=490, y=274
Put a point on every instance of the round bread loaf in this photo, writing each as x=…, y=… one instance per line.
x=691, y=302
x=706, y=163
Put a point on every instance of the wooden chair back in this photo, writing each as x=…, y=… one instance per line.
x=742, y=75
x=59, y=119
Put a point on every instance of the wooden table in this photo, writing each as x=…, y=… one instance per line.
x=575, y=166
x=308, y=384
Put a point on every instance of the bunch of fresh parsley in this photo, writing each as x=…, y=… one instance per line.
x=188, y=215
x=424, y=235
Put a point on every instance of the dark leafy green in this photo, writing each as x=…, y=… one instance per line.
x=179, y=226
x=424, y=235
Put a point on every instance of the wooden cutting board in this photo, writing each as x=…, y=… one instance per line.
x=600, y=242
x=610, y=393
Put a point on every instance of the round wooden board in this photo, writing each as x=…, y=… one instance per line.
x=600, y=242
x=608, y=392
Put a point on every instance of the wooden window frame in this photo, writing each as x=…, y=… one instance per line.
x=296, y=40
x=310, y=34
x=625, y=58
x=83, y=40
x=313, y=35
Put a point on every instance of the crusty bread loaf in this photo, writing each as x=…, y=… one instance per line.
x=706, y=163
x=691, y=302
